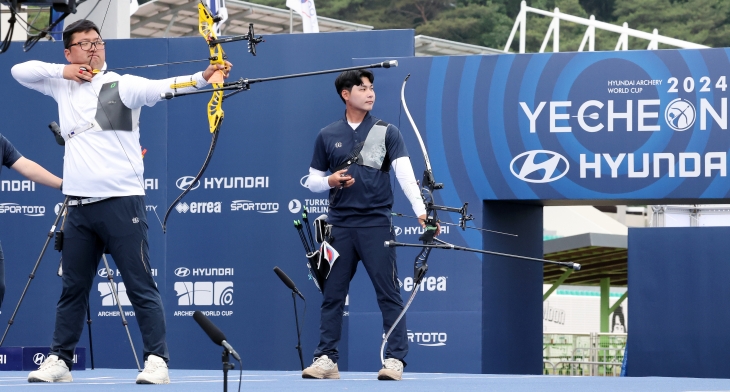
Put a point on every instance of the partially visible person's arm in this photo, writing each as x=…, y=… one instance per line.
x=36, y=173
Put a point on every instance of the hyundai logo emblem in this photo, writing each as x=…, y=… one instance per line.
x=546, y=170
x=103, y=272
x=182, y=272
x=184, y=182
x=303, y=181
x=38, y=358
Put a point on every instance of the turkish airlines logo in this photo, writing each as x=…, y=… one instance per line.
x=295, y=206
x=186, y=182
x=534, y=167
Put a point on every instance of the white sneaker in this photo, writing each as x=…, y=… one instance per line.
x=392, y=370
x=323, y=367
x=155, y=371
x=51, y=370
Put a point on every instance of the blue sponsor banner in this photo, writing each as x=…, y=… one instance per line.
x=438, y=341
x=11, y=358
x=33, y=357
x=224, y=239
x=618, y=126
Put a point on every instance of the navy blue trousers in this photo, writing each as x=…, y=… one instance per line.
x=120, y=225
x=353, y=245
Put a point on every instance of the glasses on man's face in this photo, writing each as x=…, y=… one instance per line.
x=86, y=45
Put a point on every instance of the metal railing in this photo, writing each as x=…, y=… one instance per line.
x=590, y=36
x=583, y=354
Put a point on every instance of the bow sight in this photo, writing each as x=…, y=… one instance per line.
x=251, y=37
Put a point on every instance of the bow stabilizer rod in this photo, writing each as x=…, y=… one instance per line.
x=463, y=227
x=244, y=84
x=446, y=245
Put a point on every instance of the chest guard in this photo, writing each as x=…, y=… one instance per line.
x=373, y=151
x=111, y=114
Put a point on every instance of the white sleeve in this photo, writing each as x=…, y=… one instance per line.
x=317, y=181
x=407, y=180
x=34, y=74
x=137, y=91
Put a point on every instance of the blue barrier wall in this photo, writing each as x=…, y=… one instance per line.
x=477, y=115
x=264, y=149
x=679, y=317
x=511, y=341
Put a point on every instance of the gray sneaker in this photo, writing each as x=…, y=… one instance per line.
x=51, y=370
x=392, y=370
x=322, y=367
x=155, y=371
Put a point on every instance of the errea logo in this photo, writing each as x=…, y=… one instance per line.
x=539, y=166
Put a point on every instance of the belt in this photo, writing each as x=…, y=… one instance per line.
x=80, y=201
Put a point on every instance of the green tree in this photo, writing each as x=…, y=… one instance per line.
x=485, y=25
x=699, y=21
x=489, y=22
x=601, y=9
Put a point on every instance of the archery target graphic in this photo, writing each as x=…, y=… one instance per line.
x=680, y=114
x=224, y=292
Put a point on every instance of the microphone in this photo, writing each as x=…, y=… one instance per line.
x=214, y=333
x=391, y=244
x=388, y=64
x=53, y=126
x=288, y=282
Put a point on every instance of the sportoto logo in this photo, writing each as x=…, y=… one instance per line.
x=38, y=358
x=680, y=114
x=182, y=272
x=15, y=208
x=535, y=168
x=428, y=339
x=295, y=206
x=184, y=183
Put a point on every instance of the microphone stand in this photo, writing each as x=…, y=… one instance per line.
x=226, y=367
x=91, y=346
x=50, y=235
x=299, y=334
